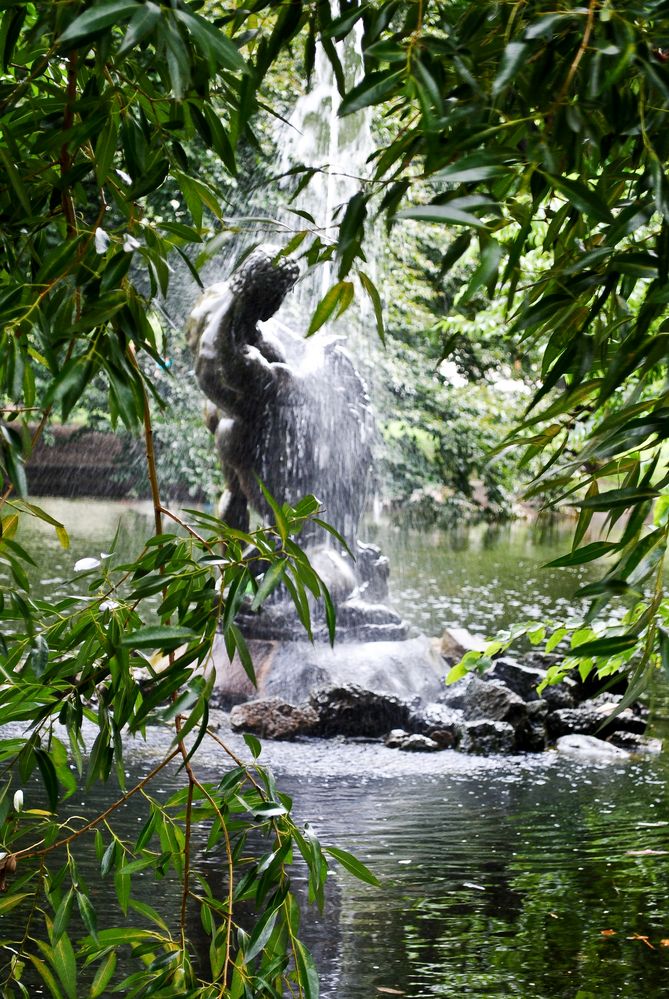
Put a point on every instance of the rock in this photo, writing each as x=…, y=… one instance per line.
x=352, y=710
x=522, y=680
x=624, y=721
x=569, y=721
x=419, y=744
x=484, y=699
x=444, y=738
x=631, y=719
x=456, y=641
x=433, y=718
x=487, y=738
x=396, y=738
x=457, y=694
x=531, y=733
x=635, y=743
x=494, y=701
x=561, y=695
x=272, y=718
x=592, y=718
x=587, y=747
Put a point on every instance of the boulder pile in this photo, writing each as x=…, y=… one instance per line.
x=497, y=712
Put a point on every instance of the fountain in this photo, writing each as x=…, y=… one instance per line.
x=294, y=413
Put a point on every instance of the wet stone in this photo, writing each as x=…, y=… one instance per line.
x=446, y=739
x=568, y=721
x=455, y=642
x=493, y=700
x=522, y=680
x=352, y=710
x=562, y=695
x=431, y=718
x=419, y=744
x=488, y=737
x=633, y=742
x=396, y=738
x=460, y=694
x=588, y=747
x=273, y=718
x=531, y=736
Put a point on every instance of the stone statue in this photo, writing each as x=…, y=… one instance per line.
x=295, y=414
x=291, y=412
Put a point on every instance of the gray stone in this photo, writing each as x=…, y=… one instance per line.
x=568, y=721
x=592, y=718
x=272, y=718
x=396, y=738
x=560, y=695
x=537, y=709
x=434, y=717
x=522, y=680
x=587, y=747
x=487, y=738
x=494, y=701
x=457, y=694
x=531, y=733
x=478, y=698
x=419, y=744
x=631, y=719
x=635, y=743
x=351, y=710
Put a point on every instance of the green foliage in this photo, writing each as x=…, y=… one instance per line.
x=453, y=387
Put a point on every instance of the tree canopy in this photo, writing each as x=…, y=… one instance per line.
x=533, y=135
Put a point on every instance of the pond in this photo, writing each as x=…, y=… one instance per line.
x=481, y=577
x=538, y=877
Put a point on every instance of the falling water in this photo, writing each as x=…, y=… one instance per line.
x=336, y=148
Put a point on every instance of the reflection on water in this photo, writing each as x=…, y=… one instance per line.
x=535, y=885
x=93, y=526
x=482, y=577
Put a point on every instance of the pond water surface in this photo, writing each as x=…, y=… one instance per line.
x=539, y=877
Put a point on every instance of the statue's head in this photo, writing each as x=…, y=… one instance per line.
x=262, y=282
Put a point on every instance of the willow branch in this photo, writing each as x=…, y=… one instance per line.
x=31, y=851
x=573, y=69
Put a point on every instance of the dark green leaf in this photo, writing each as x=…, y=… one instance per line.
x=581, y=555
x=158, y=637
x=352, y=865
x=94, y=20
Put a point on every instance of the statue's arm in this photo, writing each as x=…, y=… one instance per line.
x=227, y=366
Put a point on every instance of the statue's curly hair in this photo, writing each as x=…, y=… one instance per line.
x=264, y=281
